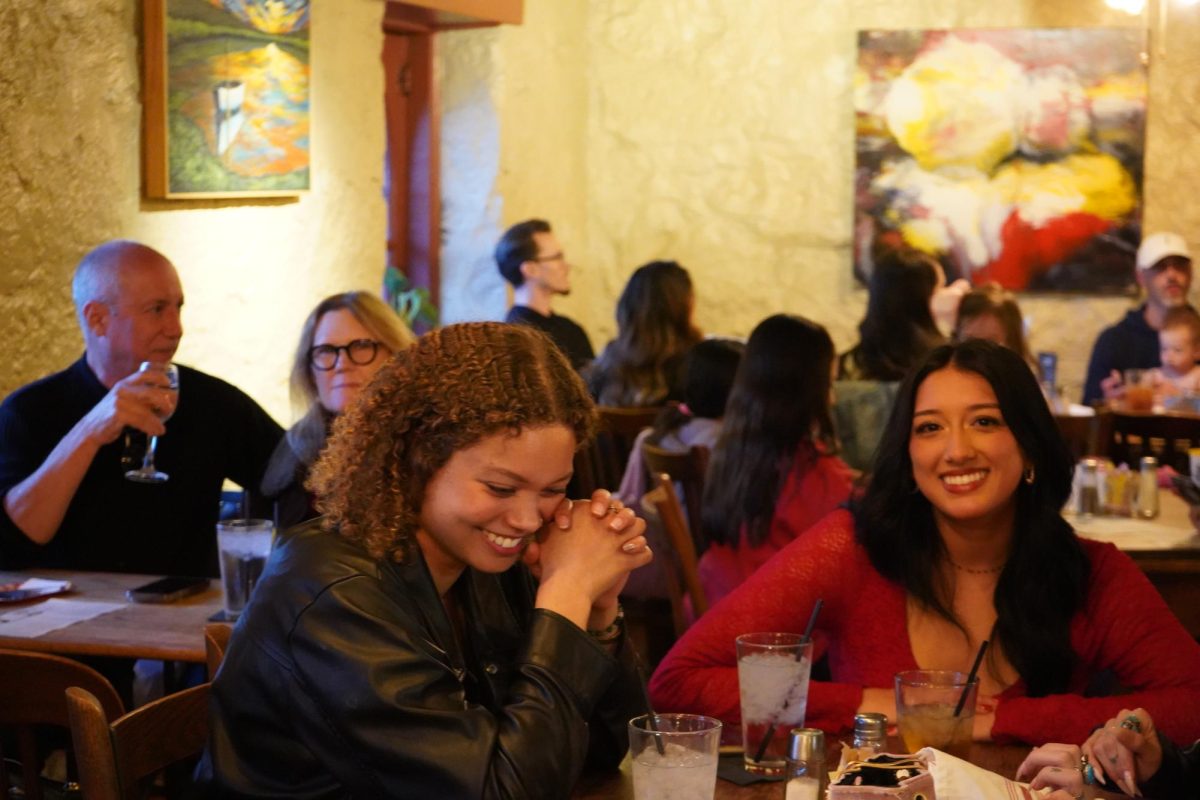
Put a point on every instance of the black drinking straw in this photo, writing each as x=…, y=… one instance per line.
x=962, y=698
x=808, y=631
x=651, y=717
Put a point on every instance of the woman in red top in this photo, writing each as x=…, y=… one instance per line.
x=773, y=473
x=959, y=538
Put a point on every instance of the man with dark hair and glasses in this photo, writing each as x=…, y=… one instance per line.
x=531, y=259
x=67, y=440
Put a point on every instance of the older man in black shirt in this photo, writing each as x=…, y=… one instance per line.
x=66, y=502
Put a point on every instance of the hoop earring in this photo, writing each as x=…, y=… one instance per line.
x=1029, y=475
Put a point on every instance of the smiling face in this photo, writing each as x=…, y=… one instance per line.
x=965, y=458
x=338, y=387
x=480, y=509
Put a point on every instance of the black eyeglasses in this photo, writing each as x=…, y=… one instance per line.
x=360, y=351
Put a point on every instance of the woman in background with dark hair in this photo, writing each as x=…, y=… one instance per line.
x=773, y=472
x=643, y=366
x=958, y=539
x=898, y=329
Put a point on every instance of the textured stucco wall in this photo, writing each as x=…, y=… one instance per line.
x=70, y=177
x=720, y=133
x=514, y=128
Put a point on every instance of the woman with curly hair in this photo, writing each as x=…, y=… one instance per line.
x=774, y=470
x=959, y=538
x=399, y=646
x=643, y=366
x=343, y=343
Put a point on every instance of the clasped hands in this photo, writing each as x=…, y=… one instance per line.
x=590, y=546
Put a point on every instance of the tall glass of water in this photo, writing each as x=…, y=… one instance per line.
x=243, y=545
x=147, y=473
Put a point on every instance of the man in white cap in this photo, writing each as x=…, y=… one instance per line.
x=1164, y=270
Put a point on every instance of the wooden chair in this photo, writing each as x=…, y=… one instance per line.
x=1167, y=437
x=602, y=464
x=1087, y=436
x=687, y=468
x=682, y=574
x=114, y=757
x=216, y=642
x=31, y=694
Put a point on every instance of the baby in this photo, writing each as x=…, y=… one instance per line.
x=1179, y=348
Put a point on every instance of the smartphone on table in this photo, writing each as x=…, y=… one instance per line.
x=167, y=590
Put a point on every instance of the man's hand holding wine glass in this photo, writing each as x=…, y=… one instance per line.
x=143, y=400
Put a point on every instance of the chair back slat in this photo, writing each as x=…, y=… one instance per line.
x=216, y=642
x=683, y=559
x=114, y=757
x=1167, y=437
x=31, y=694
x=688, y=469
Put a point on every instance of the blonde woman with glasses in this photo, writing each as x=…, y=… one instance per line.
x=343, y=343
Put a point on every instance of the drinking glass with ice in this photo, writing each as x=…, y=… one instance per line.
x=773, y=672
x=244, y=545
x=674, y=756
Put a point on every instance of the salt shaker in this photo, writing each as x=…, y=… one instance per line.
x=870, y=734
x=1147, y=496
x=805, y=772
x=1089, y=490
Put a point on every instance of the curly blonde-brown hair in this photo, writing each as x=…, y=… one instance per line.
x=450, y=390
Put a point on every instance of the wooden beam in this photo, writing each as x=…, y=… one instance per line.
x=491, y=11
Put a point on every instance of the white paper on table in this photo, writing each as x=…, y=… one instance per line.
x=955, y=779
x=49, y=615
x=1131, y=533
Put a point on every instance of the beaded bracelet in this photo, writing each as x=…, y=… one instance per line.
x=613, y=631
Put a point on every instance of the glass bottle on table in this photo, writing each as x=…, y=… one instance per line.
x=147, y=473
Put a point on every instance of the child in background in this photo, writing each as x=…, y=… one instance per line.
x=1179, y=348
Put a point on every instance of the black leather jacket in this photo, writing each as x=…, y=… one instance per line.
x=344, y=678
x=1179, y=776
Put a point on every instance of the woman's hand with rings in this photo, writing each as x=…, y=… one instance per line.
x=1057, y=767
x=1126, y=750
x=603, y=504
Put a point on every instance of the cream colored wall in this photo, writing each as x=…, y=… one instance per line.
x=720, y=133
x=70, y=178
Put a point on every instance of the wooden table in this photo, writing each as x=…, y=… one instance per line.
x=1167, y=548
x=165, y=632
x=1001, y=759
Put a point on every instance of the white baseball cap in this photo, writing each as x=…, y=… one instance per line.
x=1157, y=246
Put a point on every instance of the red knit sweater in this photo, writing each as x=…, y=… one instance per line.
x=1124, y=627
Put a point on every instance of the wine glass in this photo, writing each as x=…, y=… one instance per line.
x=147, y=473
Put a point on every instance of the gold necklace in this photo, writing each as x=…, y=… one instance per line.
x=970, y=571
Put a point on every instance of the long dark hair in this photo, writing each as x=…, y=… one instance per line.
x=898, y=329
x=1045, y=579
x=780, y=401
x=654, y=331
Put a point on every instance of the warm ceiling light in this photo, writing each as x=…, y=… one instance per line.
x=1128, y=6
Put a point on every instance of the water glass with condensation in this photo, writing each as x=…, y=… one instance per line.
x=674, y=755
x=243, y=546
